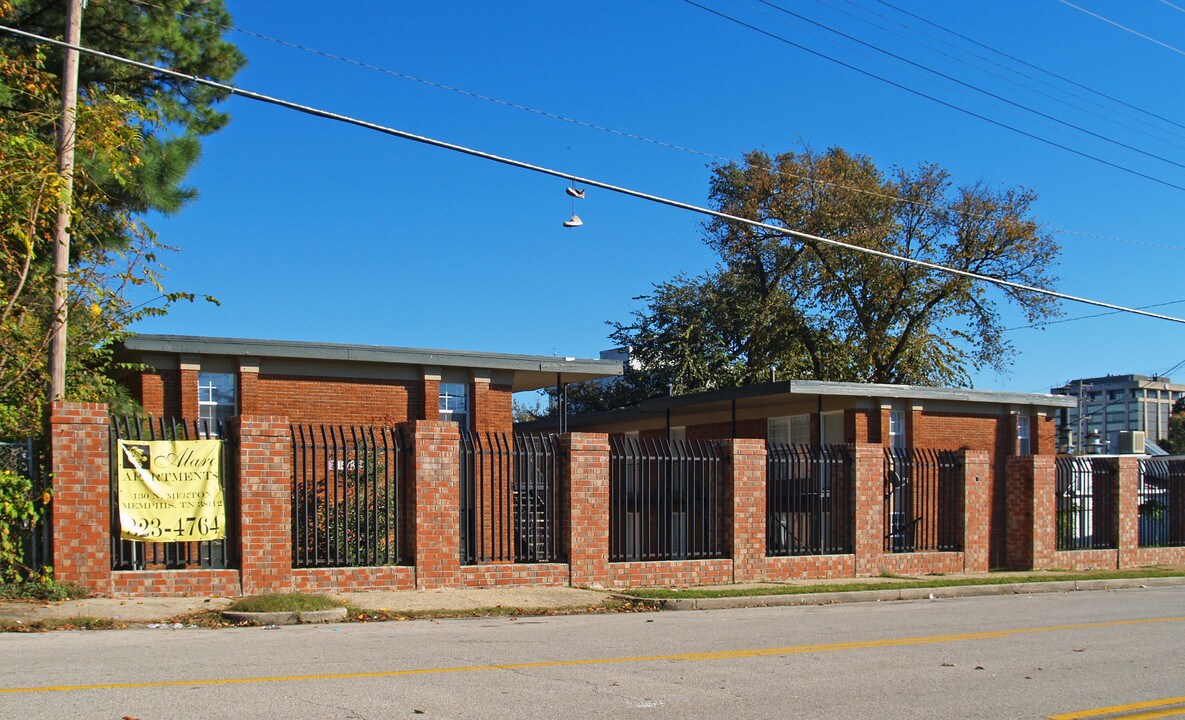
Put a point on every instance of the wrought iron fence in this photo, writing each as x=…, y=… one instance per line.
x=1161, y=498
x=666, y=500
x=135, y=555
x=1085, y=507
x=923, y=497
x=36, y=537
x=348, y=496
x=809, y=499
x=512, y=510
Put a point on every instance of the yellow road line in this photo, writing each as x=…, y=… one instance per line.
x=1116, y=709
x=686, y=657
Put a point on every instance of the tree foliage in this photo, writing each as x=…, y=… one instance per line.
x=136, y=140
x=790, y=307
x=1175, y=442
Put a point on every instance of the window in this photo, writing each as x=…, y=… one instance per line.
x=795, y=429
x=217, y=397
x=897, y=428
x=1024, y=435
x=454, y=403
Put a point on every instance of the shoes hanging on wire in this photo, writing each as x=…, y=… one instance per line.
x=576, y=194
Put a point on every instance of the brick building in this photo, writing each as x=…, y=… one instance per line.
x=326, y=383
x=812, y=412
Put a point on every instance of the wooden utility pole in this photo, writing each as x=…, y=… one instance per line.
x=61, y=245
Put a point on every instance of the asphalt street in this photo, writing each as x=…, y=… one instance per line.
x=1023, y=656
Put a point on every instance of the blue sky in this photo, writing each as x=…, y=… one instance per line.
x=310, y=230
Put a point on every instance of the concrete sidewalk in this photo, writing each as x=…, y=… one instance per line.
x=542, y=600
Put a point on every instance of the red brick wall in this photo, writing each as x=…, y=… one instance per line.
x=586, y=476
x=870, y=498
x=149, y=388
x=337, y=401
x=990, y=434
x=249, y=396
x=670, y=572
x=265, y=490
x=491, y=407
x=82, y=494
x=187, y=388
x=747, y=485
x=434, y=489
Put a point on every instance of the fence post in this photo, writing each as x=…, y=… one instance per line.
x=1127, y=510
x=1031, y=520
x=586, y=476
x=81, y=463
x=434, y=502
x=265, y=502
x=975, y=510
x=747, y=486
x=869, y=473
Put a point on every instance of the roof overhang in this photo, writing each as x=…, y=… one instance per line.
x=531, y=372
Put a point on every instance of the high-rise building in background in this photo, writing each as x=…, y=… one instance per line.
x=1116, y=403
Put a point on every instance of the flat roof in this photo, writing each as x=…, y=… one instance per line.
x=531, y=372
x=715, y=400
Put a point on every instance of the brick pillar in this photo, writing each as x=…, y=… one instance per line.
x=870, y=502
x=746, y=479
x=249, y=400
x=434, y=500
x=265, y=505
x=189, y=392
x=976, y=510
x=586, y=476
x=856, y=425
x=81, y=462
x=430, y=409
x=152, y=393
x=1031, y=520
x=1044, y=431
x=1127, y=509
x=1012, y=443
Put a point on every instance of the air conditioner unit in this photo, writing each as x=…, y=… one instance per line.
x=1131, y=442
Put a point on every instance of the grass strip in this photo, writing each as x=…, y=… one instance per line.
x=927, y=582
x=284, y=602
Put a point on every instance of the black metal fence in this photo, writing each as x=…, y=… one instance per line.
x=1161, y=498
x=348, y=496
x=512, y=508
x=810, y=499
x=135, y=555
x=36, y=538
x=1086, y=508
x=923, y=499
x=666, y=500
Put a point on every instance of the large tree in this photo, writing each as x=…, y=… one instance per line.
x=783, y=306
x=137, y=138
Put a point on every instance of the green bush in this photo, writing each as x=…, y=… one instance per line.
x=19, y=511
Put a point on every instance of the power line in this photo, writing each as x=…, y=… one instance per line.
x=944, y=103
x=976, y=88
x=1125, y=28
x=1029, y=64
x=1010, y=70
x=1087, y=317
x=591, y=182
x=602, y=128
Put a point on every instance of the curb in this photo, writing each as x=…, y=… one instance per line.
x=938, y=593
x=286, y=618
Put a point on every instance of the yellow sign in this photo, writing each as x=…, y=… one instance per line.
x=171, y=490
